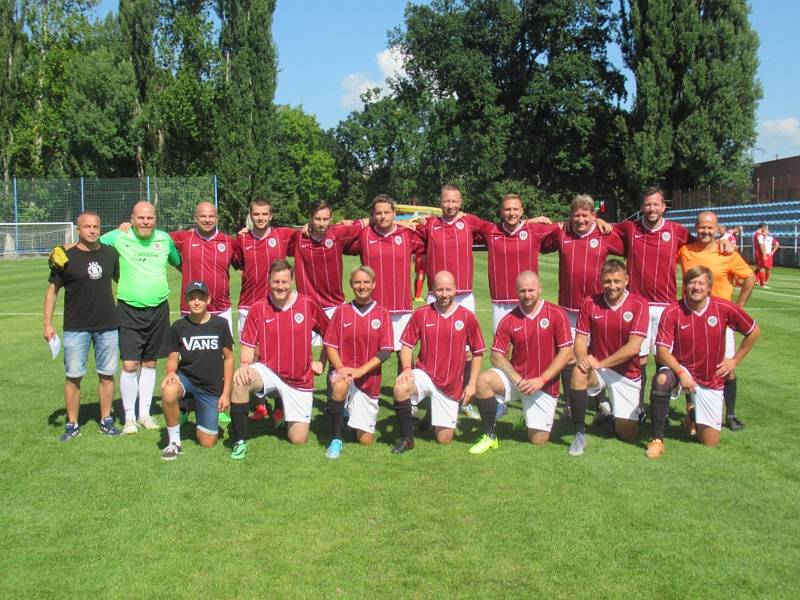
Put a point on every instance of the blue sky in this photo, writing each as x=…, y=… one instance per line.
x=329, y=51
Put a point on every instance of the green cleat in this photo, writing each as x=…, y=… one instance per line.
x=484, y=444
x=239, y=450
x=224, y=418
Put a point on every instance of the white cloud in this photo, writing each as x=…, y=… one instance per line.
x=390, y=65
x=787, y=130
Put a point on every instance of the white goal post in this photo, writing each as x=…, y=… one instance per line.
x=29, y=239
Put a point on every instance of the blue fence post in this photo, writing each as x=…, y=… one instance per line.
x=216, y=193
x=16, y=219
x=148, y=188
x=83, y=206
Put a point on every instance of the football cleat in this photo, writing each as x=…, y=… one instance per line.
x=578, y=445
x=655, y=448
x=485, y=444
x=403, y=445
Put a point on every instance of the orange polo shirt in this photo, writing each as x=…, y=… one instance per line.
x=726, y=268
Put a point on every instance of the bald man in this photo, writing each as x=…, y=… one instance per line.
x=142, y=293
x=443, y=329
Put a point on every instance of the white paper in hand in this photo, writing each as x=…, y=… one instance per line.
x=55, y=346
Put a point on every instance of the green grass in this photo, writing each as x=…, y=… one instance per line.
x=106, y=517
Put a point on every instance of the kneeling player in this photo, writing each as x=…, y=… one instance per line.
x=200, y=363
x=281, y=328
x=443, y=328
x=540, y=335
x=358, y=340
x=691, y=345
x=608, y=336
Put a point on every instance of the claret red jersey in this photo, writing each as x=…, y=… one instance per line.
x=609, y=328
x=536, y=338
x=256, y=254
x=283, y=337
x=449, y=248
x=358, y=337
x=208, y=260
x=697, y=339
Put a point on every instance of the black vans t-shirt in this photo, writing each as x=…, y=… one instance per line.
x=88, y=299
x=200, y=348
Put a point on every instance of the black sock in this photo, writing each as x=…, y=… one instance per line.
x=641, y=391
x=488, y=409
x=239, y=421
x=403, y=411
x=336, y=414
x=729, y=393
x=659, y=408
x=566, y=381
x=578, y=401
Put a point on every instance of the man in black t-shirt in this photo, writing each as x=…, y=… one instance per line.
x=90, y=317
x=200, y=363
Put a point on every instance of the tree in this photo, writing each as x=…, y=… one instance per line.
x=11, y=50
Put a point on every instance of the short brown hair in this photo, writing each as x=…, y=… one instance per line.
x=260, y=202
x=383, y=199
x=449, y=187
x=280, y=264
x=696, y=272
x=582, y=202
x=318, y=206
x=362, y=269
x=652, y=190
x=613, y=265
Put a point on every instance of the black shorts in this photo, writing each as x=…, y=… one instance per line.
x=143, y=332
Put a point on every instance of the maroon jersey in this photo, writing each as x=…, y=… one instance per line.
x=207, y=260
x=256, y=255
x=389, y=255
x=442, y=341
x=358, y=337
x=283, y=337
x=697, y=339
x=609, y=328
x=536, y=338
x=318, y=264
x=449, y=248
x=580, y=258
x=652, y=258
x=511, y=253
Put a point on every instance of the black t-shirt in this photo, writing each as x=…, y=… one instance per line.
x=200, y=348
x=88, y=299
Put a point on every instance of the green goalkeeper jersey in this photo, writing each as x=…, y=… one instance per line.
x=143, y=266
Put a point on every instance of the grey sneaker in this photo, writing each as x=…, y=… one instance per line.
x=578, y=445
x=171, y=452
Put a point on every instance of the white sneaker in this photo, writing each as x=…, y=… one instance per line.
x=130, y=427
x=149, y=423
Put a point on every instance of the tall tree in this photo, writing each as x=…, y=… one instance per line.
x=12, y=45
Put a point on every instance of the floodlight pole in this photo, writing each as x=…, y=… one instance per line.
x=83, y=207
x=148, y=188
x=216, y=197
x=16, y=219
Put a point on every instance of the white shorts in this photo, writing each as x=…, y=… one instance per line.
x=708, y=405
x=573, y=321
x=466, y=300
x=538, y=408
x=500, y=310
x=399, y=322
x=649, y=343
x=296, y=403
x=316, y=339
x=228, y=316
x=444, y=410
x=242, y=319
x=623, y=393
x=363, y=409
x=730, y=343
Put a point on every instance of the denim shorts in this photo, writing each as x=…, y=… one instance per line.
x=205, y=406
x=76, y=351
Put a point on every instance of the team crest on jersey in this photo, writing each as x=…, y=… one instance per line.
x=712, y=321
x=459, y=325
x=272, y=242
x=221, y=247
x=544, y=323
x=627, y=316
x=666, y=236
x=329, y=243
x=523, y=235
x=460, y=225
x=398, y=240
x=157, y=245
x=594, y=243
x=95, y=270
x=299, y=318
x=376, y=323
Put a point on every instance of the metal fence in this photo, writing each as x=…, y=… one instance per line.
x=765, y=189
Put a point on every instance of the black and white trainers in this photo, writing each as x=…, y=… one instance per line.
x=107, y=427
x=171, y=452
x=403, y=445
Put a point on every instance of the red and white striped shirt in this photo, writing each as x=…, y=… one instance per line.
x=449, y=248
x=256, y=255
x=511, y=253
x=283, y=337
x=358, y=337
x=536, y=337
x=609, y=328
x=697, y=339
x=580, y=258
x=442, y=340
x=318, y=264
x=207, y=260
x=389, y=255
x=652, y=258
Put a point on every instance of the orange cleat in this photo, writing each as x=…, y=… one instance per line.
x=655, y=448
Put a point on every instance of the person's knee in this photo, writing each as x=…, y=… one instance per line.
x=663, y=382
x=207, y=440
x=538, y=438
x=297, y=435
x=401, y=392
x=485, y=387
x=444, y=436
x=130, y=366
x=339, y=390
x=76, y=381
x=171, y=393
x=579, y=379
x=365, y=438
x=625, y=430
x=149, y=364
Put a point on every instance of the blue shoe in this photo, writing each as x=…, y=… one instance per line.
x=71, y=430
x=334, y=451
x=107, y=427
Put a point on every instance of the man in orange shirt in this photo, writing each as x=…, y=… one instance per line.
x=727, y=268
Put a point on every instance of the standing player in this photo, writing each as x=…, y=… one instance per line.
x=610, y=330
x=200, y=363
x=280, y=327
x=443, y=329
x=90, y=317
x=539, y=333
x=727, y=268
x=142, y=294
x=699, y=368
x=358, y=340
x=764, y=248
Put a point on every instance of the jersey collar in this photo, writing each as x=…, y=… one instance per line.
x=618, y=304
x=536, y=310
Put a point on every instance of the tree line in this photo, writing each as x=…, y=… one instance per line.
x=495, y=95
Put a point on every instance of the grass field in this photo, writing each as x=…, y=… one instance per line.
x=106, y=517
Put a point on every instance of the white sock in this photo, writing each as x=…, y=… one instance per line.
x=147, y=383
x=174, y=434
x=129, y=388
